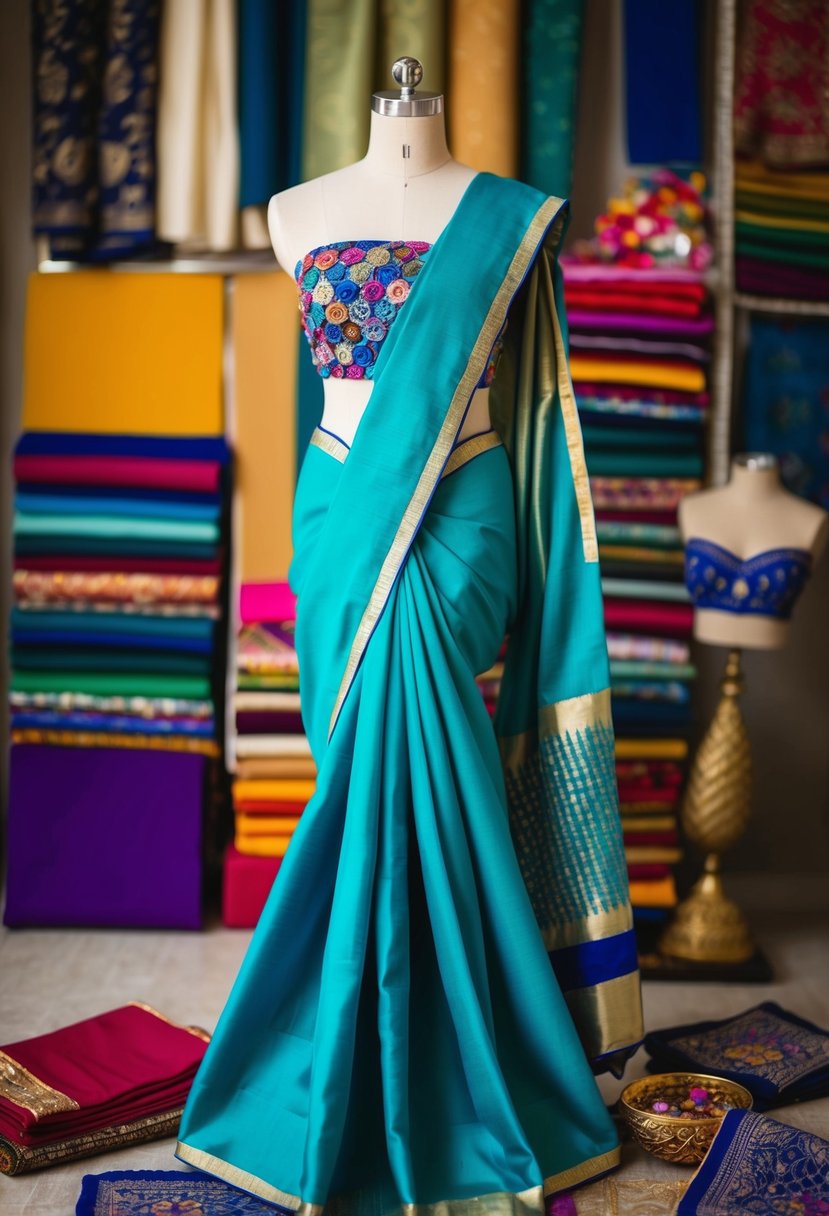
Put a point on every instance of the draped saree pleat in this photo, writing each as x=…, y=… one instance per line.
x=397, y=1037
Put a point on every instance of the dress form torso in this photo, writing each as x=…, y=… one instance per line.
x=385, y=196
x=753, y=514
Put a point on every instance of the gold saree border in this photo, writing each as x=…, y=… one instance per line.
x=575, y=444
x=476, y=445
x=330, y=443
x=21, y=1159
x=441, y=449
x=587, y=929
x=497, y=1203
x=587, y=711
x=243, y=1179
x=469, y=449
x=609, y=1014
x=196, y=1031
x=27, y=1091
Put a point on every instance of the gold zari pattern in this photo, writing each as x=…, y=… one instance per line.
x=24, y=1089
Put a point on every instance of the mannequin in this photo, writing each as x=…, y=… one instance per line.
x=407, y=187
x=753, y=514
x=436, y=977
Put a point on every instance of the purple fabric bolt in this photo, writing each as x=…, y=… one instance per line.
x=104, y=836
x=268, y=722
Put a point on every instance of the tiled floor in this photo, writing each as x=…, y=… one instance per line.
x=49, y=978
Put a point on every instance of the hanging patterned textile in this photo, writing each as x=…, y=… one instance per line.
x=786, y=400
x=483, y=84
x=94, y=126
x=339, y=72
x=552, y=52
x=417, y=28
x=198, y=138
x=271, y=73
x=780, y=94
x=662, y=87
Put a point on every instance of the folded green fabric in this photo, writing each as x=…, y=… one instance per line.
x=126, y=684
x=114, y=623
x=639, y=669
x=114, y=525
x=76, y=658
x=656, y=536
x=644, y=464
x=664, y=438
x=793, y=257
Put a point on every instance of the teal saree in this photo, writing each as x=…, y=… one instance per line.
x=447, y=953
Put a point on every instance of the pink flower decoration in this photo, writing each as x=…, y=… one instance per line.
x=397, y=291
x=349, y=256
x=372, y=291
x=354, y=372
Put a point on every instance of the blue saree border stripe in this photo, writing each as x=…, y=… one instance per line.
x=712, y=1162
x=591, y=963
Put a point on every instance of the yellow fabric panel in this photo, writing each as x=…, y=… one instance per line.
x=754, y=175
x=482, y=94
x=658, y=894
x=124, y=353
x=265, y=325
x=800, y=224
x=277, y=790
x=262, y=846
x=648, y=371
x=265, y=825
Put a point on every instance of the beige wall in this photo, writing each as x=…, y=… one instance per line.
x=787, y=693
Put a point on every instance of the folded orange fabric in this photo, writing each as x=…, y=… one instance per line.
x=656, y=893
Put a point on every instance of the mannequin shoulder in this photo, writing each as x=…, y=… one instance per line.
x=292, y=215
x=696, y=510
x=812, y=523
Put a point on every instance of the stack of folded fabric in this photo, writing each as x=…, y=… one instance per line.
x=117, y=655
x=639, y=355
x=113, y=1080
x=274, y=775
x=781, y=231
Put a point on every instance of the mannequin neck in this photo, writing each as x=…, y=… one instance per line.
x=755, y=477
x=425, y=139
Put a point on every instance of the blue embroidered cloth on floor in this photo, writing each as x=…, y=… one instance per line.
x=171, y=1192
x=758, y=1165
x=777, y=1056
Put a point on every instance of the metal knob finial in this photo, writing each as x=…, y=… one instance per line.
x=407, y=73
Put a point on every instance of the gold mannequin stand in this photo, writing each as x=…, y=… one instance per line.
x=707, y=926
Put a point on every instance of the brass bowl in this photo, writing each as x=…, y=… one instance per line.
x=683, y=1141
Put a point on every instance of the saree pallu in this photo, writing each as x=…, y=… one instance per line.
x=397, y=1034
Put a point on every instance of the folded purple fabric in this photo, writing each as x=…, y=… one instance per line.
x=776, y=279
x=579, y=318
x=268, y=722
x=104, y=836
